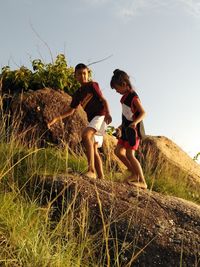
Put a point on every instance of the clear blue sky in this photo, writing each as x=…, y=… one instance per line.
x=157, y=42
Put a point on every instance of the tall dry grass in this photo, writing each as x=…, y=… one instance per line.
x=28, y=237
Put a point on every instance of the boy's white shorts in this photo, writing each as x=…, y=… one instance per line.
x=99, y=140
x=100, y=126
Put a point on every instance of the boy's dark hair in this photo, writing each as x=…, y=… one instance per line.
x=80, y=66
x=119, y=76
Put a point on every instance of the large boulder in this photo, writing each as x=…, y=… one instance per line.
x=33, y=110
x=161, y=156
x=140, y=227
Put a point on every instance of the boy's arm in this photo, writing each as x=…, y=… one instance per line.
x=68, y=113
x=108, y=118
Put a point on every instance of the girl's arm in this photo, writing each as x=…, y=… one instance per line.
x=141, y=112
x=68, y=113
x=118, y=131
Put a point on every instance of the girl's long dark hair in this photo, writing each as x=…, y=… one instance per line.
x=119, y=77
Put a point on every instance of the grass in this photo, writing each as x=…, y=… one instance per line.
x=26, y=238
x=29, y=238
x=166, y=178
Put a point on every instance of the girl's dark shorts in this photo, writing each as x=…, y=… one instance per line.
x=129, y=138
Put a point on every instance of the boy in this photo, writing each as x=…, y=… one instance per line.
x=96, y=107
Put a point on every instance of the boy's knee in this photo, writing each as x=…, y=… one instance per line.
x=84, y=135
x=87, y=134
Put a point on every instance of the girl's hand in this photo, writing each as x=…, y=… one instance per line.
x=118, y=133
x=133, y=125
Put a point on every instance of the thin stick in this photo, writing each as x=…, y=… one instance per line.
x=37, y=34
x=100, y=60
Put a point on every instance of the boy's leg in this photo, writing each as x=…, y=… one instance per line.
x=137, y=174
x=98, y=162
x=88, y=142
x=96, y=125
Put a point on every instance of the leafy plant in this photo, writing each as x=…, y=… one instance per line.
x=110, y=130
x=57, y=75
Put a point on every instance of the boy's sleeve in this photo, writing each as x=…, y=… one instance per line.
x=75, y=100
x=97, y=89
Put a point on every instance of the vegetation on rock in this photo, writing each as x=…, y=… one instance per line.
x=56, y=75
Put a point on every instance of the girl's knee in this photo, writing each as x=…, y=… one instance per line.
x=130, y=153
x=118, y=152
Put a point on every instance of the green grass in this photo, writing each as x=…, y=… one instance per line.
x=167, y=179
x=26, y=238
x=29, y=238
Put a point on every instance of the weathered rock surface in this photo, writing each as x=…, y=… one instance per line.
x=152, y=229
x=35, y=109
x=161, y=154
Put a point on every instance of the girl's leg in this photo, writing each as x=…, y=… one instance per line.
x=98, y=162
x=120, y=152
x=137, y=174
x=88, y=142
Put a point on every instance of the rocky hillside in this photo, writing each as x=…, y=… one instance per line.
x=151, y=229
x=35, y=109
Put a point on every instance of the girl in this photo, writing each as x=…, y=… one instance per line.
x=127, y=133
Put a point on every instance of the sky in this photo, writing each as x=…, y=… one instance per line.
x=157, y=42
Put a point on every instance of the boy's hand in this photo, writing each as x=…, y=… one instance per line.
x=51, y=123
x=108, y=119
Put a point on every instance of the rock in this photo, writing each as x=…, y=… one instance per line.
x=148, y=229
x=36, y=108
x=110, y=160
x=160, y=155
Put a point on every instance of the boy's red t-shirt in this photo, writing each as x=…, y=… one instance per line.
x=89, y=96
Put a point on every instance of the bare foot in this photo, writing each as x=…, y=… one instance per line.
x=132, y=178
x=90, y=174
x=137, y=184
x=101, y=178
